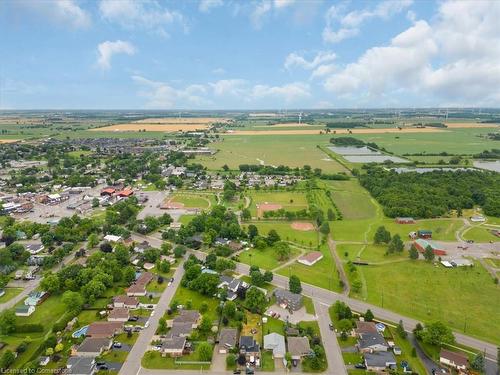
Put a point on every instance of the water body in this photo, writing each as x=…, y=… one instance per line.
x=489, y=165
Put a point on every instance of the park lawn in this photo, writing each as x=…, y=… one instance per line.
x=371, y=253
x=146, y=299
x=309, y=305
x=322, y=274
x=186, y=219
x=154, y=360
x=286, y=232
x=351, y=230
x=10, y=293
x=353, y=201
x=289, y=200
x=182, y=295
x=192, y=200
x=422, y=291
x=406, y=349
x=267, y=361
x=265, y=258
x=480, y=234
x=270, y=149
x=273, y=325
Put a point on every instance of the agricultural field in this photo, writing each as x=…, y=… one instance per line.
x=290, y=150
x=286, y=232
x=422, y=290
x=322, y=274
x=353, y=201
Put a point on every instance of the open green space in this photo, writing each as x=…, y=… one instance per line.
x=286, y=232
x=289, y=200
x=427, y=292
x=265, y=258
x=154, y=360
x=193, y=200
x=480, y=234
x=183, y=295
x=368, y=253
x=186, y=219
x=273, y=325
x=323, y=273
x=290, y=150
x=308, y=304
x=10, y=293
x=267, y=361
x=46, y=314
x=352, y=199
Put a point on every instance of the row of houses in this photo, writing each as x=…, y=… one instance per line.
x=375, y=349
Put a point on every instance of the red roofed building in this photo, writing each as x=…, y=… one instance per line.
x=108, y=191
x=422, y=244
x=310, y=258
x=125, y=193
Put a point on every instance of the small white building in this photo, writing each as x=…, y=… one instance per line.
x=112, y=238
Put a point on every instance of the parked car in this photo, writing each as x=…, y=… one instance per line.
x=153, y=313
x=171, y=279
x=147, y=324
x=237, y=372
x=133, y=319
x=295, y=362
x=117, y=345
x=103, y=367
x=100, y=363
x=331, y=326
x=360, y=366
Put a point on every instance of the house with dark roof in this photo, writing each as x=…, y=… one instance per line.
x=379, y=361
x=287, y=299
x=104, y=329
x=453, y=359
x=249, y=347
x=118, y=314
x=365, y=327
x=192, y=317
x=232, y=285
x=173, y=346
x=126, y=301
x=81, y=365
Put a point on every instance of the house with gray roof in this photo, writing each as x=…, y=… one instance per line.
x=93, y=346
x=372, y=342
x=276, y=343
x=173, y=346
x=227, y=339
x=379, y=361
x=299, y=347
x=192, y=317
x=81, y=366
x=249, y=347
x=287, y=299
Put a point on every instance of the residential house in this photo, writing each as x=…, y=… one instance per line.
x=36, y=298
x=227, y=339
x=126, y=301
x=298, y=347
x=93, y=346
x=81, y=365
x=276, y=343
x=379, y=361
x=288, y=300
x=142, y=247
x=118, y=314
x=232, y=285
x=311, y=258
x=453, y=359
x=250, y=348
x=112, y=238
x=192, y=317
x=25, y=310
x=372, y=342
x=173, y=346
x=365, y=327
x=34, y=247
x=104, y=329
x=139, y=287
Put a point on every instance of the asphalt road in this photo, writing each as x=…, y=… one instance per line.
x=132, y=365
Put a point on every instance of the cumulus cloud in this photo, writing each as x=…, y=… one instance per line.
x=67, y=12
x=341, y=25
x=453, y=59
x=148, y=14
x=234, y=87
x=290, y=92
x=107, y=49
x=161, y=95
x=263, y=8
x=294, y=59
x=206, y=5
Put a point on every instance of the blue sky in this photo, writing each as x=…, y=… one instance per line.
x=228, y=54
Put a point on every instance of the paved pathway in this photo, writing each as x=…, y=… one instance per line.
x=132, y=365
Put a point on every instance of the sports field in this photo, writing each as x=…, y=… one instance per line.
x=286, y=232
x=262, y=201
x=191, y=200
x=459, y=297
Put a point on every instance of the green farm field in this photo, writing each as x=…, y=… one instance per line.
x=352, y=199
x=427, y=292
x=286, y=232
x=290, y=150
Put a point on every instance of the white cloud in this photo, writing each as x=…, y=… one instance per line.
x=296, y=60
x=265, y=7
x=61, y=11
x=452, y=59
x=107, y=49
x=233, y=87
x=350, y=23
x=161, y=95
x=147, y=14
x=206, y=5
x=219, y=71
x=290, y=92
x=280, y=4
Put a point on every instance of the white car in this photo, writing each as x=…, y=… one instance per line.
x=147, y=324
x=153, y=313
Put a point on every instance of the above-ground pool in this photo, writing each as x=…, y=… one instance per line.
x=80, y=332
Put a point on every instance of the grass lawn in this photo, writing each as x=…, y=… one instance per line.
x=186, y=219
x=273, y=325
x=124, y=339
x=322, y=274
x=182, y=295
x=154, y=286
x=286, y=232
x=267, y=361
x=353, y=358
x=371, y=253
x=88, y=316
x=495, y=262
x=154, y=360
x=480, y=234
x=406, y=349
x=192, y=200
x=114, y=356
x=312, y=324
x=253, y=322
x=422, y=290
x=10, y=293
x=46, y=314
x=308, y=304
x=13, y=341
x=352, y=199
x=265, y=258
